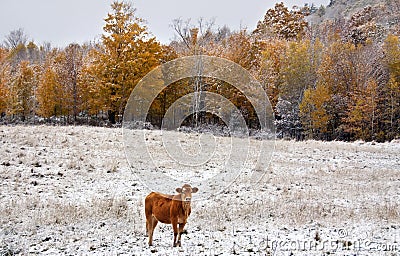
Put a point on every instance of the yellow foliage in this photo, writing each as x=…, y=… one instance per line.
x=46, y=94
x=313, y=112
x=362, y=115
x=4, y=76
x=392, y=55
x=282, y=22
x=126, y=55
x=271, y=66
x=21, y=100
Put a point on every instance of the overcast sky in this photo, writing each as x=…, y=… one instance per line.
x=61, y=22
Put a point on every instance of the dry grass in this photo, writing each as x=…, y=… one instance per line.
x=62, y=178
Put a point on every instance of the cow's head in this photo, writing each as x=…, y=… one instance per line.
x=186, y=192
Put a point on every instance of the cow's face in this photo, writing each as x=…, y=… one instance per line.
x=186, y=192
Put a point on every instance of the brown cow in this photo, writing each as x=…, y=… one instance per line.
x=169, y=209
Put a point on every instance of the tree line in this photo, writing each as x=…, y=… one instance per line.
x=335, y=80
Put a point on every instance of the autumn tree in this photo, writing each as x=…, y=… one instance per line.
x=33, y=53
x=391, y=108
x=4, y=76
x=72, y=66
x=313, y=113
x=298, y=74
x=126, y=55
x=89, y=90
x=391, y=90
x=391, y=48
x=272, y=63
x=281, y=22
x=241, y=49
x=48, y=93
x=199, y=38
x=363, y=115
x=61, y=87
x=203, y=38
x=338, y=72
x=22, y=98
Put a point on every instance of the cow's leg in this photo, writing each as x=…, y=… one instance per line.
x=181, y=226
x=175, y=228
x=148, y=212
x=152, y=225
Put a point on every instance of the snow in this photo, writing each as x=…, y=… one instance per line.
x=69, y=190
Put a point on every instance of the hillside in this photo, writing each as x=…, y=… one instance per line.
x=385, y=14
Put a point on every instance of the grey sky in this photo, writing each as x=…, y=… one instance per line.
x=66, y=21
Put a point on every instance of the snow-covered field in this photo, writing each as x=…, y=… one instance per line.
x=69, y=190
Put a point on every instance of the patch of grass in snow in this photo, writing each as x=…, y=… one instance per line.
x=34, y=211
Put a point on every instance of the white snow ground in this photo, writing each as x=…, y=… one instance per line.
x=69, y=191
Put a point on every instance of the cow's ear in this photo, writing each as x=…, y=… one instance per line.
x=179, y=190
x=194, y=190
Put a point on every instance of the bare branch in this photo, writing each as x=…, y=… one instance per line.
x=15, y=38
x=182, y=28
